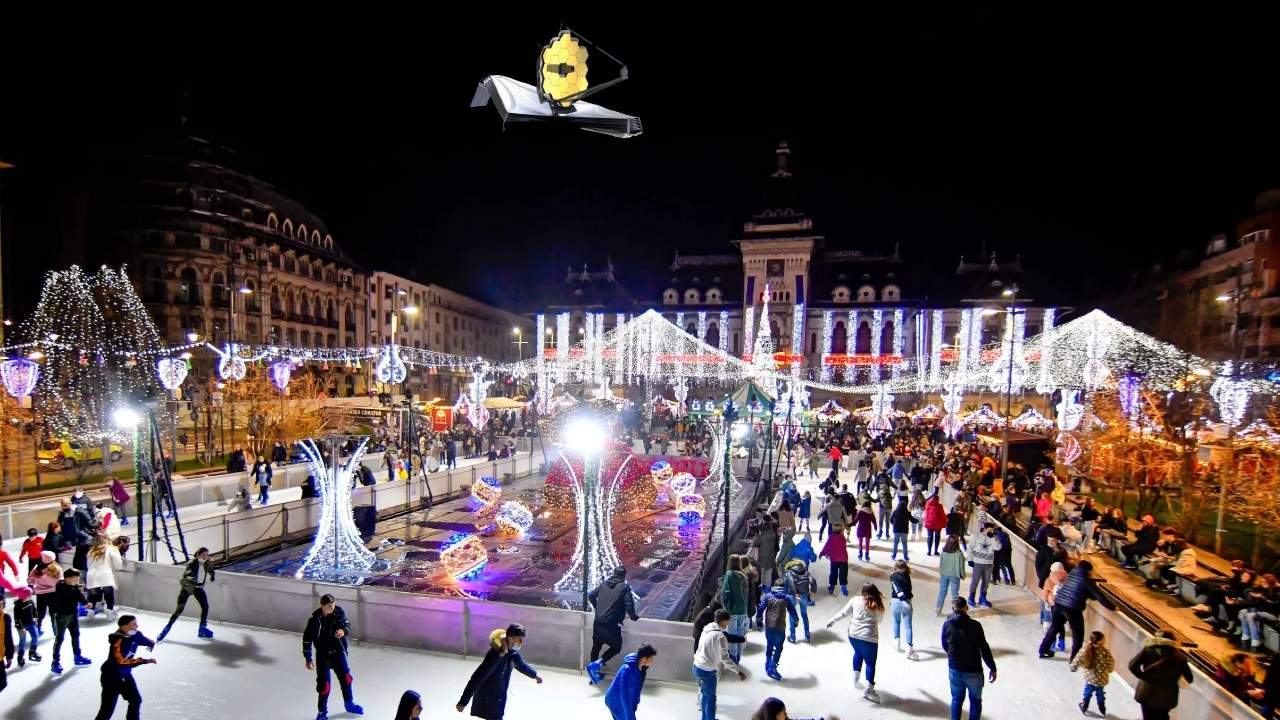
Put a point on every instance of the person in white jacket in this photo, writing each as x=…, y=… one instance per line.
x=104, y=560
x=864, y=612
x=711, y=655
x=982, y=556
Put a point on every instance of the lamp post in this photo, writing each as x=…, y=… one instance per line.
x=519, y=342
x=728, y=417
x=586, y=437
x=126, y=418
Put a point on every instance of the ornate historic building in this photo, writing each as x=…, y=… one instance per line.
x=850, y=311
x=223, y=256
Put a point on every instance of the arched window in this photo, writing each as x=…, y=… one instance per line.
x=840, y=294
x=306, y=337
x=315, y=237
x=862, y=343
x=670, y=297
x=713, y=334
x=866, y=293
x=302, y=232
x=692, y=329
x=840, y=338
x=328, y=313
x=328, y=242
x=287, y=228
x=188, y=287
x=890, y=293
x=305, y=305
x=289, y=304
x=273, y=222
x=713, y=295
x=277, y=301
x=886, y=338
x=691, y=296
x=776, y=332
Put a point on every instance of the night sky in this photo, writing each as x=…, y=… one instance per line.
x=1091, y=143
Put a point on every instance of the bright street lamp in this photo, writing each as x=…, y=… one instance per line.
x=125, y=418
x=245, y=290
x=193, y=337
x=409, y=310
x=1223, y=298
x=584, y=436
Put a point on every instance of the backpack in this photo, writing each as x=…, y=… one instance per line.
x=800, y=584
x=775, y=613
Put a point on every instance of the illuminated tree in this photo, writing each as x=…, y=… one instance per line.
x=269, y=414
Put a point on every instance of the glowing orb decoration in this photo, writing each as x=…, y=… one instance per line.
x=683, y=484
x=20, y=376
x=691, y=508
x=172, y=371
x=463, y=556
x=1068, y=449
x=280, y=372
x=661, y=471
x=487, y=492
x=390, y=368
x=514, y=518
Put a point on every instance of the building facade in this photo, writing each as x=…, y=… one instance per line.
x=430, y=317
x=856, y=314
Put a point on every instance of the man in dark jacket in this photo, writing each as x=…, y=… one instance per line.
x=1046, y=555
x=614, y=602
x=68, y=598
x=1068, y=608
x=966, y=646
x=1143, y=544
x=1159, y=666
x=327, y=631
x=278, y=454
x=191, y=584
x=772, y=614
x=486, y=691
x=117, y=669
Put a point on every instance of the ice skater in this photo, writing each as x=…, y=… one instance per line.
x=327, y=631
x=486, y=691
x=196, y=574
x=117, y=669
x=623, y=696
x=68, y=600
x=614, y=602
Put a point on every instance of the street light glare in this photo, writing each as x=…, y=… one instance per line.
x=515, y=331
x=1223, y=298
x=584, y=436
x=246, y=290
x=739, y=430
x=409, y=310
x=192, y=337
x=1202, y=372
x=126, y=418
x=987, y=312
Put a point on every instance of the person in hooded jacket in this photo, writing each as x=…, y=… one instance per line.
x=901, y=520
x=772, y=614
x=1068, y=608
x=326, y=632
x=613, y=601
x=623, y=696
x=799, y=585
x=6, y=644
x=486, y=691
x=1159, y=667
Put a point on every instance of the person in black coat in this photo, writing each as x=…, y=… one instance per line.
x=326, y=632
x=6, y=629
x=1143, y=544
x=613, y=601
x=486, y=691
x=1068, y=608
x=1046, y=555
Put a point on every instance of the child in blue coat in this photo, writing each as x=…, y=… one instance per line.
x=623, y=696
x=806, y=511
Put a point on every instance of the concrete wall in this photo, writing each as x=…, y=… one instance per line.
x=452, y=626
x=1203, y=700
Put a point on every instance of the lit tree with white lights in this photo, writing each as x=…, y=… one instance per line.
x=99, y=347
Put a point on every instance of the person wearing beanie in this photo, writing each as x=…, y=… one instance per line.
x=43, y=579
x=486, y=691
x=327, y=631
x=117, y=669
x=613, y=601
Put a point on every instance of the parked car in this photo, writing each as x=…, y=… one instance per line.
x=69, y=453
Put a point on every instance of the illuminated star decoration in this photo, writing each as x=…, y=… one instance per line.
x=337, y=554
x=231, y=366
x=281, y=370
x=171, y=371
x=390, y=368
x=1232, y=396
x=20, y=376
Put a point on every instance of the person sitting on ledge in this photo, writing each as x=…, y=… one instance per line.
x=1144, y=543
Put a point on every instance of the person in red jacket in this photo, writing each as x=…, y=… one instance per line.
x=935, y=521
x=835, y=456
x=31, y=549
x=838, y=553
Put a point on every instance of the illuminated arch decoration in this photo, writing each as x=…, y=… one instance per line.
x=604, y=554
x=20, y=376
x=391, y=368
x=337, y=554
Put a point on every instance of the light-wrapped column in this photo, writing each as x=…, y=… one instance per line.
x=1044, y=386
x=828, y=328
x=935, y=352
x=877, y=332
x=896, y=370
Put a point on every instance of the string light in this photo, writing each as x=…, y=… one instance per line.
x=1043, y=386
x=828, y=330
x=1232, y=396
x=1127, y=390
x=877, y=333
x=1070, y=412
x=881, y=413
x=898, y=320
x=935, y=358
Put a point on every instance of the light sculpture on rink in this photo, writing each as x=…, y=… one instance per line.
x=337, y=553
x=514, y=518
x=594, y=500
x=952, y=401
x=487, y=492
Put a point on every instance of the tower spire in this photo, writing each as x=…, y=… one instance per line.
x=782, y=153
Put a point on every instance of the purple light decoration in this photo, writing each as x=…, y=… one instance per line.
x=1130, y=399
x=20, y=376
x=281, y=370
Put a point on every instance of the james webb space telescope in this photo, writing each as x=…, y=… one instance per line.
x=562, y=85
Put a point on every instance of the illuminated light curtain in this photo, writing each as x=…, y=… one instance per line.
x=877, y=332
x=975, y=342
x=539, y=362
x=587, y=366
x=620, y=355
x=828, y=329
x=1044, y=386
x=962, y=351
x=851, y=346
x=897, y=342
x=562, y=346
x=724, y=343
x=680, y=348
x=702, y=338
x=797, y=337
x=935, y=362
x=748, y=329
x=921, y=350
x=598, y=355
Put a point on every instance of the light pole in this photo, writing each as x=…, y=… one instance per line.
x=1237, y=351
x=126, y=418
x=519, y=342
x=586, y=437
x=3, y=166
x=730, y=415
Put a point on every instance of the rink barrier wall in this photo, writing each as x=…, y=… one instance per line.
x=458, y=627
x=16, y=517
x=1204, y=699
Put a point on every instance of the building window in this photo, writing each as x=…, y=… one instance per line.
x=713, y=334
x=691, y=296
x=890, y=293
x=813, y=343
x=287, y=228
x=840, y=294
x=862, y=343
x=273, y=222
x=866, y=293
x=713, y=295
x=839, y=339
x=188, y=288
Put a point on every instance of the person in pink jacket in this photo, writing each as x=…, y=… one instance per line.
x=119, y=499
x=837, y=552
x=865, y=523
